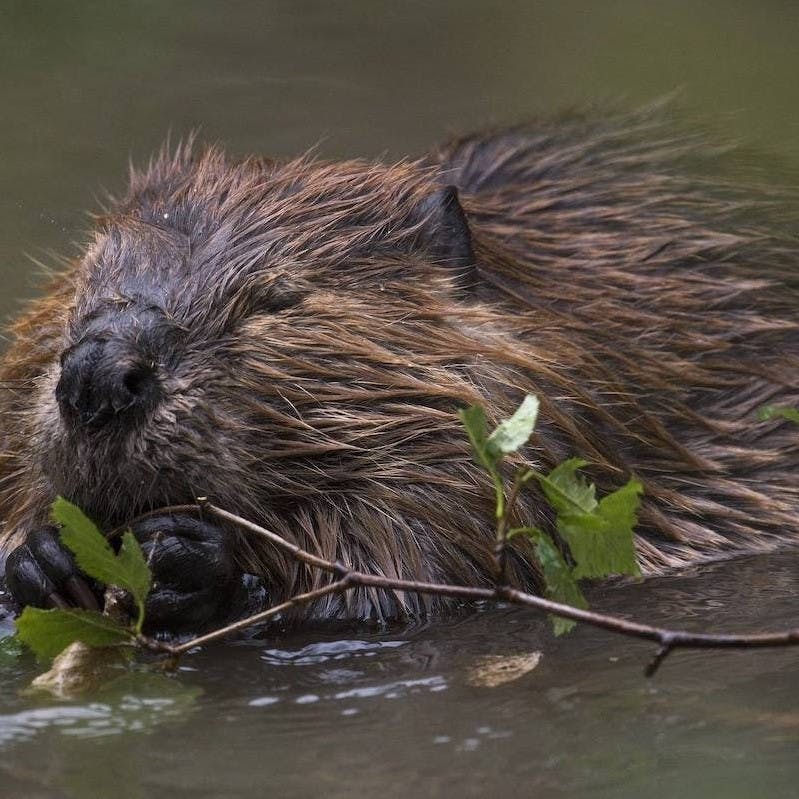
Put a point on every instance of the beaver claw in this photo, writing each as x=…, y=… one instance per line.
x=194, y=576
x=42, y=573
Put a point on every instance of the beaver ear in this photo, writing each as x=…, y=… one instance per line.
x=445, y=234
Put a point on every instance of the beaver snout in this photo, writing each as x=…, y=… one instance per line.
x=106, y=381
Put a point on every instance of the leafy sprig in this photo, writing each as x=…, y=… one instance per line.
x=48, y=632
x=592, y=538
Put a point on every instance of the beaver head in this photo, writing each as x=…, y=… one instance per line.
x=260, y=333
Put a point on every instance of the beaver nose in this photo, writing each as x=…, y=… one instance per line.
x=102, y=381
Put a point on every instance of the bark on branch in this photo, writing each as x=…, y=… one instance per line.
x=345, y=579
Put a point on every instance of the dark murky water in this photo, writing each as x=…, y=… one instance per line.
x=85, y=85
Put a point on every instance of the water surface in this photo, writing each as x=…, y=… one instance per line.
x=404, y=712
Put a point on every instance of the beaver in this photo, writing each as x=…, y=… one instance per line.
x=292, y=339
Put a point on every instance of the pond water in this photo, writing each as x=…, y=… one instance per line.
x=410, y=712
x=403, y=712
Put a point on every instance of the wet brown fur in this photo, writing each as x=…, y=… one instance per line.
x=325, y=349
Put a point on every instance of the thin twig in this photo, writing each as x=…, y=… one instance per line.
x=668, y=640
x=297, y=599
x=501, y=544
x=662, y=653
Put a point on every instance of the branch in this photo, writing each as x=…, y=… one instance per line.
x=501, y=543
x=297, y=599
x=668, y=640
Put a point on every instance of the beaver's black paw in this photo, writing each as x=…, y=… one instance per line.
x=195, y=579
x=42, y=573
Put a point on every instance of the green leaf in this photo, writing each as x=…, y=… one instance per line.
x=513, y=433
x=560, y=583
x=474, y=420
x=774, y=412
x=508, y=437
x=132, y=563
x=601, y=540
x=619, y=510
x=94, y=554
x=48, y=632
x=138, y=579
x=567, y=491
x=90, y=547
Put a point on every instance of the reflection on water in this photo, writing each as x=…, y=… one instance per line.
x=83, y=85
x=328, y=650
x=132, y=714
x=397, y=713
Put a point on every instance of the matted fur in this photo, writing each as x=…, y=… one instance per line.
x=322, y=351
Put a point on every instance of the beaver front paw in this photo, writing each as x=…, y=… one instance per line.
x=195, y=579
x=42, y=573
